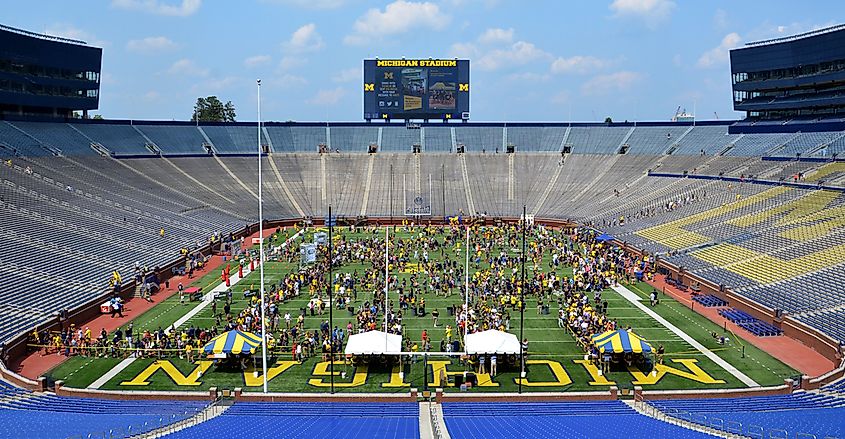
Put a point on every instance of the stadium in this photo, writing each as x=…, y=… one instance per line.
x=417, y=274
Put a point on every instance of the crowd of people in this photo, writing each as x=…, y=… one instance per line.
x=431, y=261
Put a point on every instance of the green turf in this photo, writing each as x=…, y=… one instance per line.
x=547, y=342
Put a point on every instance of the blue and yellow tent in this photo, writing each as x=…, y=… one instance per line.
x=620, y=341
x=233, y=342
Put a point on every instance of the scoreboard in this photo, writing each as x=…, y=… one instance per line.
x=416, y=89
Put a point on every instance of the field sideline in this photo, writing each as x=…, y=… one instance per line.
x=556, y=360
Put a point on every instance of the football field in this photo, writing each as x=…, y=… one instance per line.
x=555, y=362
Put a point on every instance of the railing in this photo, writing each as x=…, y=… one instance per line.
x=41, y=36
x=167, y=424
x=435, y=425
x=737, y=428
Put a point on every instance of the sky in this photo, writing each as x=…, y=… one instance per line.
x=539, y=60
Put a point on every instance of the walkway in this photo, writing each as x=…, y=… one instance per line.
x=788, y=350
x=207, y=299
x=36, y=364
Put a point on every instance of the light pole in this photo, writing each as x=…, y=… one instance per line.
x=331, y=303
x=522, y=306
x=261, y=246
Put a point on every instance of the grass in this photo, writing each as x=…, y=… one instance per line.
x=546, y=340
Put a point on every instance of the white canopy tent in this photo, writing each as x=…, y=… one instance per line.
x=374, y=343
x=492, y=342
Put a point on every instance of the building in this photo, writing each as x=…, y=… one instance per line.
x=42, y=75
x=797, y=76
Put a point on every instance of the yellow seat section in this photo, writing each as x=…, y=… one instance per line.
x=767, y=269
x=824, y=171
x=809, y=213
x=724, y=255
x=673, y=236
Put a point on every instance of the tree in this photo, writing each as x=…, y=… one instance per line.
x=211, y=109
x=97, y=117
x=608, y=119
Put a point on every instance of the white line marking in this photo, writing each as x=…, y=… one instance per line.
x=112, y=373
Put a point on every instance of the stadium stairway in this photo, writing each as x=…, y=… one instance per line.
x=801, y=414
x=212, y=411
x=645, y=409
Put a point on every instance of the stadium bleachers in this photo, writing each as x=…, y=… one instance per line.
x=835, y=387
x=764, y=416
x=61, y=136
x=556, y=419
x=119, y=139
x=709, y=300
x=175, y=139
x=27, y=415
x=309, y=420
x=39, y=138
x=111, y=209
x=750, y=323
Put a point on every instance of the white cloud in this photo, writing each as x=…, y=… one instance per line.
x=151, y=44
x=257, y=60
x=612, y=82
x=398, y=17
x=496, y=36
x=187, y=67
x=494, y=49
x=578, y=64
x=720, y=54
x=304, y=39
x=74, y=33
x=309, y=4
x=349, y=75
x=181, y=8
x=517, y=54
x=652, y=12
x=328, y=97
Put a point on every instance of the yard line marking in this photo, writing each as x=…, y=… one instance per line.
x=635, y=299
x=111, y=373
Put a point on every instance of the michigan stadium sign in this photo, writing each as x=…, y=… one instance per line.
x=416, y=89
